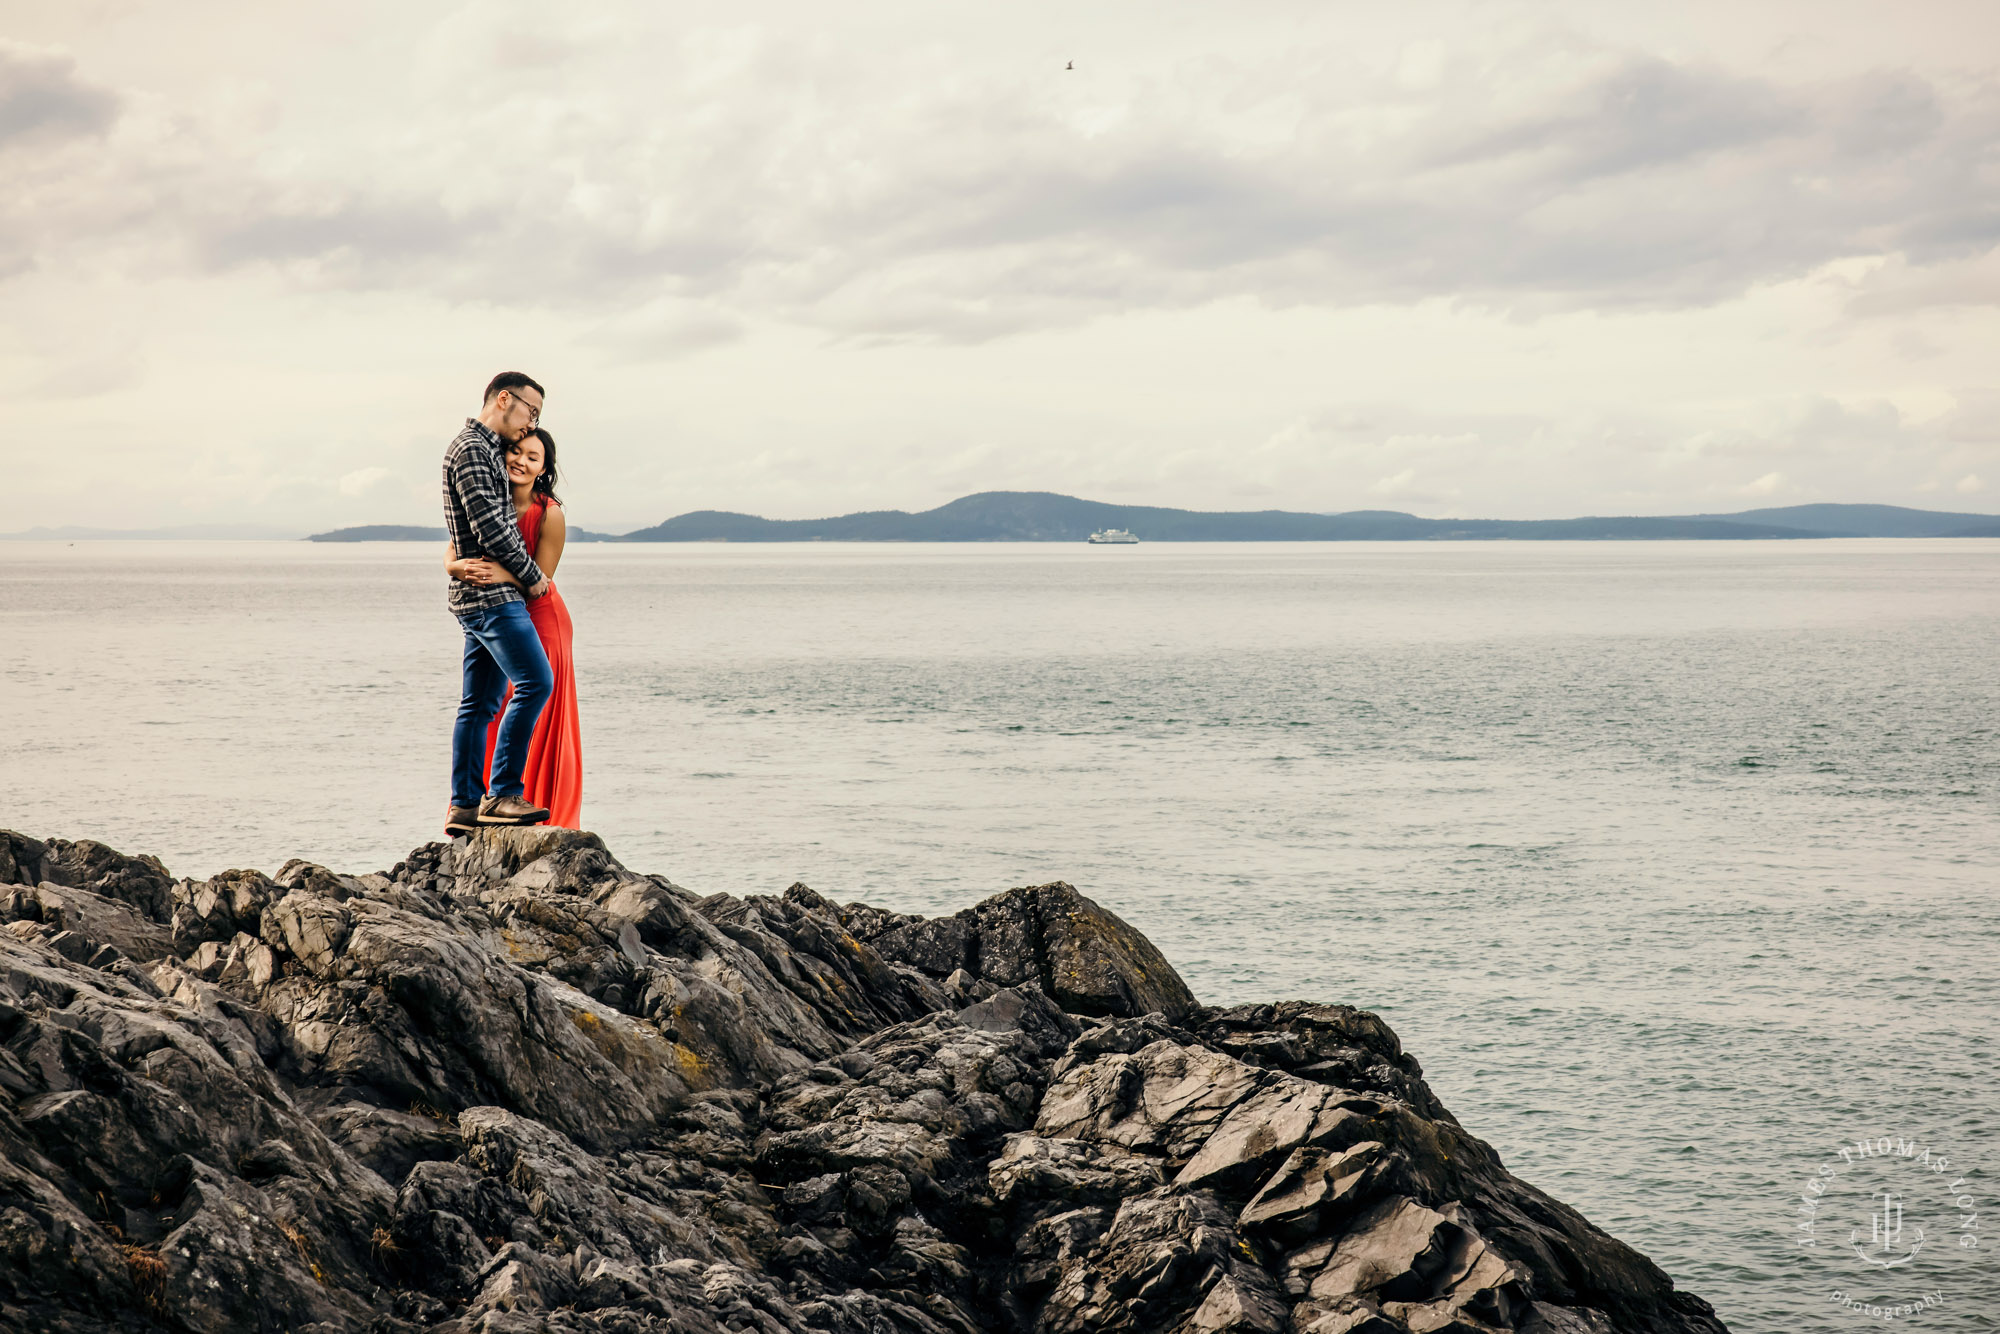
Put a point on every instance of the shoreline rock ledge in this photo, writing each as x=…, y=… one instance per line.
x=511, y=1085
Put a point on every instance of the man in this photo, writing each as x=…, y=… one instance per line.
x=500, y=640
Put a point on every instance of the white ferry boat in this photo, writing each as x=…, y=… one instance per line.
x=1111, y=537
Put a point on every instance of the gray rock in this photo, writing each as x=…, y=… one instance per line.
x=1331, y=1044
x=220, y=908
x=1314, y=1188
x=1035, y=1170
x=1027, y=1011
x=1092, y=962
x=311, y=928
x=141, y=882
x=91, y=921
x=1542, y=1318
x=388, y=1142
x=964, y=989
x=521, y=1278
x=1166, y=1262
x=512, y=1085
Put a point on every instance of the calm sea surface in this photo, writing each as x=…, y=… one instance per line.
x=1674, y=864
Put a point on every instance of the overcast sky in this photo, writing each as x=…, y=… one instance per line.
x=257, y=260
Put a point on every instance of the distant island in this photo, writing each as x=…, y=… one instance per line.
x=1043, y=516
x=404, y=532
x=381, y=532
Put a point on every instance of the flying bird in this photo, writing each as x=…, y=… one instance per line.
x=1071, y=65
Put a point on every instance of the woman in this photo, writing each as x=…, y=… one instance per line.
x=553, y=776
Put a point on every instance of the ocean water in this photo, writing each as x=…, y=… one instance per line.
x=1674, y=863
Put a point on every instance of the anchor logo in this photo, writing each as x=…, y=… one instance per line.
x=1885, y=1231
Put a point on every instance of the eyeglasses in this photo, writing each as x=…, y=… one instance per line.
x=534, y=412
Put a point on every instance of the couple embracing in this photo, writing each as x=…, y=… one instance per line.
x=525, y=765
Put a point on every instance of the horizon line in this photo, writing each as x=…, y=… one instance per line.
x=265, y=532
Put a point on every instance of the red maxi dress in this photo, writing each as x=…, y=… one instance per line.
x=553, y=775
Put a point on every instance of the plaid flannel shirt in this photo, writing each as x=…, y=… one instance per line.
x=479, y=516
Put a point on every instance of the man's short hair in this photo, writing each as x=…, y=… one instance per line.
x=511, y=380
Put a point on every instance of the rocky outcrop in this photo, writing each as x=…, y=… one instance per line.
x=511, y=1085
x=1090, y=961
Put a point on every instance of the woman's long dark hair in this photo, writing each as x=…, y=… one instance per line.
x=545, y=485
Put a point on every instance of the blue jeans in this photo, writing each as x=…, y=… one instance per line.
x=500, y=646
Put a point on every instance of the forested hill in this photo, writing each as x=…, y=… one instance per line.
x=1043, y=516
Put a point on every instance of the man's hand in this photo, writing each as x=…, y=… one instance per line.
x=479, y=570
x=539, y=590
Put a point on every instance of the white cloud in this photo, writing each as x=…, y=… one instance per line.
x=1969, y=484
x=363, y=480
x=43, y=101
x=857, y=191
x=664, y=330
x=1513, y=259
x=99, y=371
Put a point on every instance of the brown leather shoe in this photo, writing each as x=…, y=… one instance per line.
x=511, y=810
x=460, y=821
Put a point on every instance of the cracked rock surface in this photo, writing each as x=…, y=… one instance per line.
x=511, y=1085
